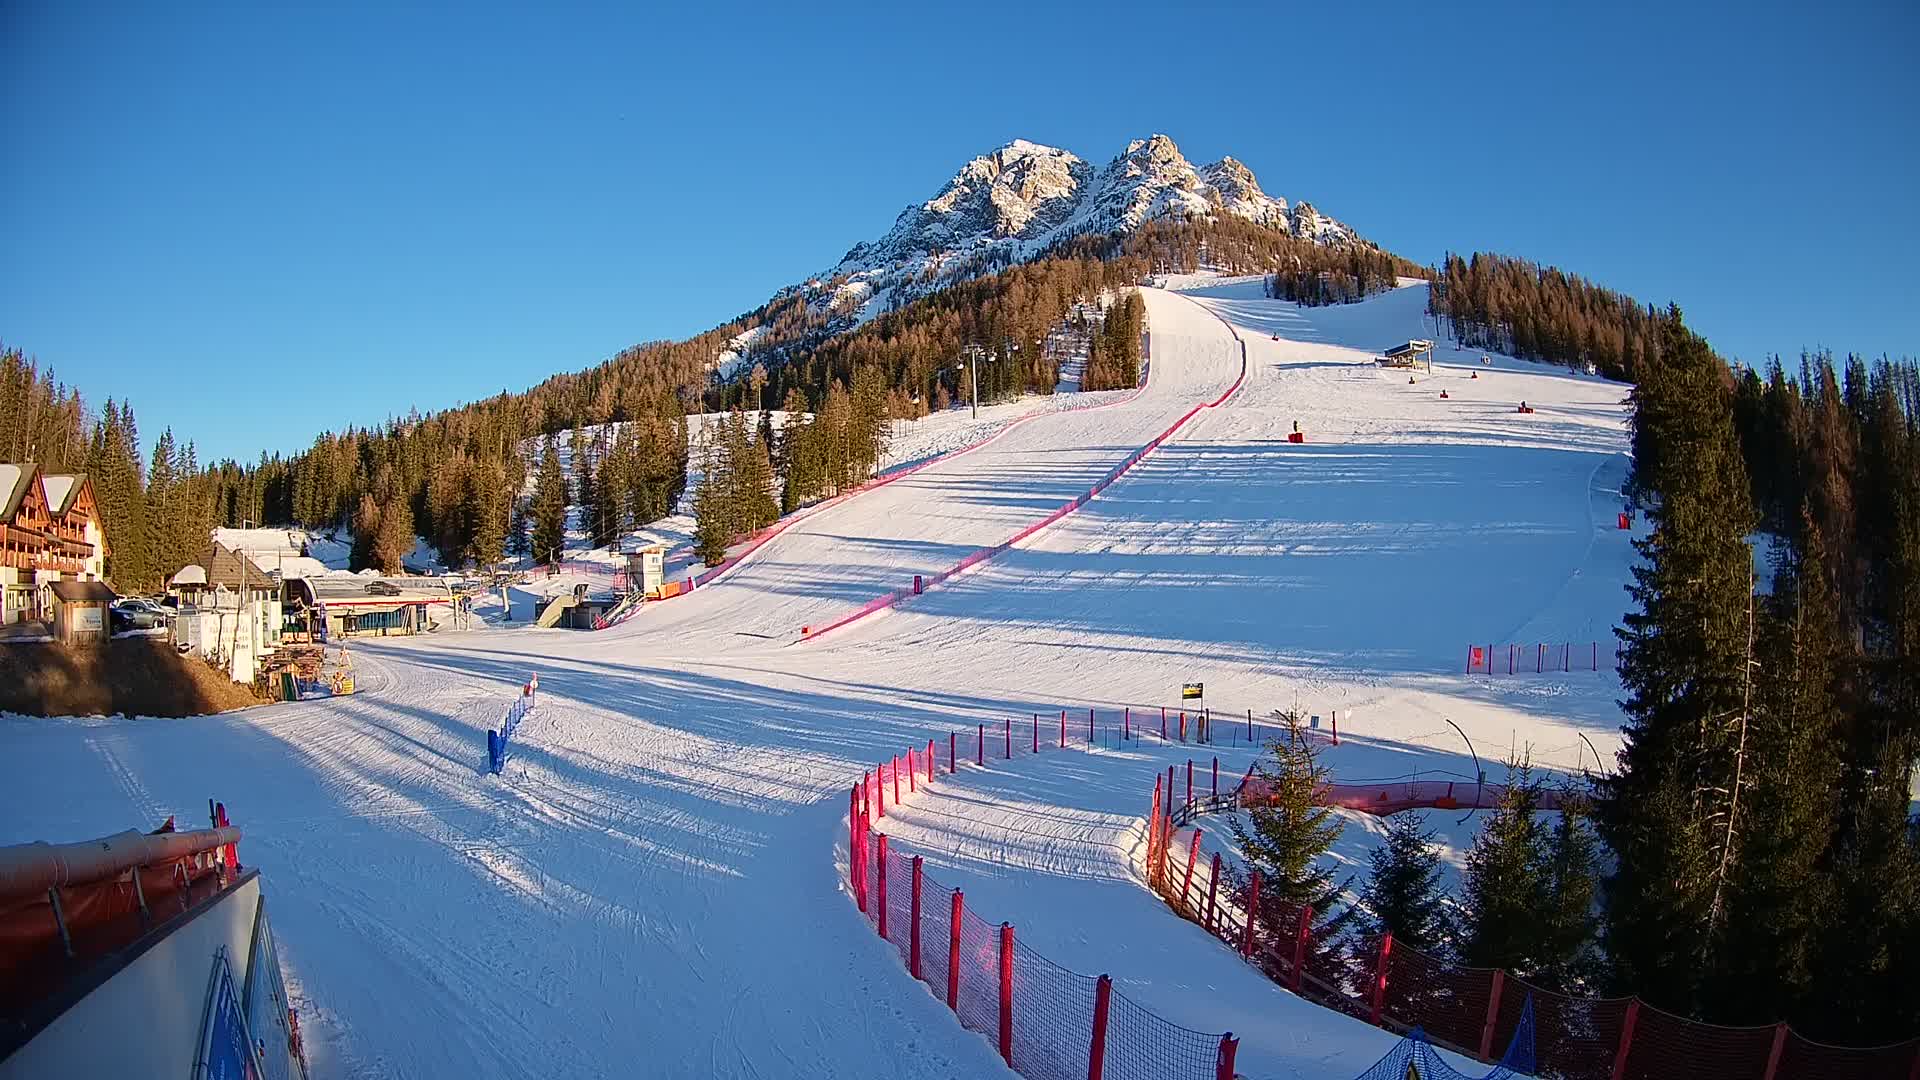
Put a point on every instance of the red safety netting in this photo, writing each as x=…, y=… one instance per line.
x=1052, y=1018
x=1140, y=1043
x=1665, y=1045
x=1804, y=1057
x=1573, y=1038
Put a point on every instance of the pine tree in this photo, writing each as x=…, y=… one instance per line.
x=485, y=510
x=1506, y=893
x=1763, y=960
x=1569, y=961
x=549, y=511
x=393, y=539
x=712, y=505
x=1286, y=837
x=1670, y=813
x=1403, y=895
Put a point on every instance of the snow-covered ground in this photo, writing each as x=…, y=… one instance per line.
x=651, y=879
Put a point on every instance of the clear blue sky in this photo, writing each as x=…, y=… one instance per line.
x=258, y=225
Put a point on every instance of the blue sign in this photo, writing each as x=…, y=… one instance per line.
x=226, y=1050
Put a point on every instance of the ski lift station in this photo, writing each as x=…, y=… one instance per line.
x=1417, y=353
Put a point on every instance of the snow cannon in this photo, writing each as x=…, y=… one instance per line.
x=1626, y=521
x=806, y=631
x=1474, y=375
x=1410, y=380
x=1524, y=408
x=1295, y=436
x=1443, y=395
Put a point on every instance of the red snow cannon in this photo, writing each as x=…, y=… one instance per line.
x=1443, y=395
x=1626, y=521
x=1296, y=437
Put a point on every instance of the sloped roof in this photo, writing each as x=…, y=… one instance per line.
x=14, y=479
x=61, y=488
x=71, y=591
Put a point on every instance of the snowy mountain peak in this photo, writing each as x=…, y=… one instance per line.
x=1023, y=198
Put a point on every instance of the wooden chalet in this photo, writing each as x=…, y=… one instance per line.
x=50, y=530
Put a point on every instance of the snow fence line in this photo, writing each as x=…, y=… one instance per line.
x=497, y=740
x=1539, y=658
x=1464, y=1009
x=760, y=539
x=894, y=598
x=1048, y=1022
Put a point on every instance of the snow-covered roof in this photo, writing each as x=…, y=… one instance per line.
x=190, y=574
x=253, y=541
x=58, y=488
x=12, y=478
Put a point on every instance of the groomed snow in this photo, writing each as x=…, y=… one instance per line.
x=651, y=880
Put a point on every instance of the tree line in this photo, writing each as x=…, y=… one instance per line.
x=1533, y=312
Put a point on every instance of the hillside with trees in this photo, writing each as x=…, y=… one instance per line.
x=1520, y=308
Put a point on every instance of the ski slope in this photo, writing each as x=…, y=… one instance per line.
x=651, y=880
x=839, y=557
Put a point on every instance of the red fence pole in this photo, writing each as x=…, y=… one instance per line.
x=913, y=959
x=1163, y=723
x=1380, y=977
x=1183, y=725
x=854, y=878
x=1229, y=1047
x=1300, y=938
x=1009, y=738
x=1006, y=992
x=1097, y=1053
x=1626, y=1039
x=1189, y=781
x=1779, y=1047
x=913, y=772
x=1193, y=856
x=1253, y=913
x=1493, y=1014
x=896, y=781
x=880, y=786
x=953, y=743
x=930, y=761
x=953, y=952
x=880, y=853
x=1213, y=889
x=1063, y=729
x=1036, y=733
x=1153, y=829
x=980, y=747
x=1126, y=717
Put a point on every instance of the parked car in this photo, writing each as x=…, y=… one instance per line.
x=134, y=613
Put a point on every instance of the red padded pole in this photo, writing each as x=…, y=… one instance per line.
x=930, y=761
x=1097, y=1052
x=1493, y=1013
x=1779, y=1047
x=896, y=781
x=880, y=786
x=1626, y=1039
x=1213, y=889
x=1006, y=992
x=913, y=948
x=1193, y=856
x=1380, y=977
x=913, y=772
x=953, y=951
x=1253, y=914
x=1229, y=1047
x=1183, y=725
x=880, y=853
x=1300, y=939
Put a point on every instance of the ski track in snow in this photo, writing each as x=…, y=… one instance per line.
x=651, y=879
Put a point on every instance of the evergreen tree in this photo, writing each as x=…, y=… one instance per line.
x=712, y=509
x=1403, y=895
x=1569, y=961
x=1507, y=892
x=485, y=510
x=1670, y=813
x=549, y=511
x=1286, y=837
x=393, y=538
